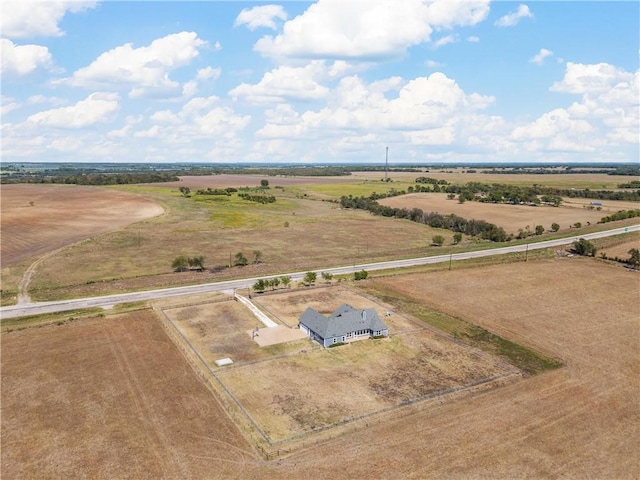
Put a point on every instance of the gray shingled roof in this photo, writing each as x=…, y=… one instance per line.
x=344, y=320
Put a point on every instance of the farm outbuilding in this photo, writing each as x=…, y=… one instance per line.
x=345, y=324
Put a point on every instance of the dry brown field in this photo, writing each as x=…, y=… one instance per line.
x=112, y=398
x=293, y=235
x=36, y=219
x=297, y=388
x=511, y=217
x=459, y=175
x=621, y=250
x=240, y=180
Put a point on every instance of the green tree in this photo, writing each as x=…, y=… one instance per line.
x=465, y=195
x=259, y=286
x=361, y=275
x=264, y=183
x=257, y=256
x=310, y=278
x=274, y=283
x=180, y=263
x=634, y=258
x=584, y=247
x=326, y=276
x=196, y=262
x=555, y=227
x=554, y=200
x=240, y=260
x=185, y=191
x=437, y=240
x=457, y=238
x=539, y=229
x=286, y=281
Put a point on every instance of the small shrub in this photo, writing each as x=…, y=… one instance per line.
x=361, y=275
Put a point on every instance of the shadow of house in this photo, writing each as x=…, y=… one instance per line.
x=343, y=325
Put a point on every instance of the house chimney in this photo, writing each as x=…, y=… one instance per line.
x=364, y=314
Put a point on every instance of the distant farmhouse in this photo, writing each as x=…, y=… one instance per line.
x=346, y=323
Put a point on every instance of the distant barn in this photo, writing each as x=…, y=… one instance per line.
x=345, y=324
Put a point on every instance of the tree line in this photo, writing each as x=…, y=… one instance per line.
x=455, y=223
x=620, y=215
x=95, y=178
x=629, y=170
x=534, y=195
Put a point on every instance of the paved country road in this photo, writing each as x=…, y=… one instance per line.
x=107, y=301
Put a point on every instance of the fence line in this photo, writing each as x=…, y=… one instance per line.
x=206, y=373
x=200, y=364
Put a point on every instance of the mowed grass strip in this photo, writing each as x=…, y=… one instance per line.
x=11, y=324
x=521, y=357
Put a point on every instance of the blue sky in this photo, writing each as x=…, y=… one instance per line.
x=324, y=82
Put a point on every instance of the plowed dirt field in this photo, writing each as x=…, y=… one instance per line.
x=37, y=219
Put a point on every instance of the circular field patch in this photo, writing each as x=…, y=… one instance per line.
x=37, y=219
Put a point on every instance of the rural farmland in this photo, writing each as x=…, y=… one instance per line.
x=589, y=406
x=512, y=217
x=37, y=219
x=121, y=386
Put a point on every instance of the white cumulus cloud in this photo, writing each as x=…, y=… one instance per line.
x=96, y=108
x=262, y=16
x=551, y=124
x=30, y=18
x=591, y=78
x=23, y=59
x=145, y=69
x=285, y=83
x=539, y=57
x=201, y=119
x=366, y=29
x=605, y=116
x=513, y=18
x=7, y=105
x=430, y=107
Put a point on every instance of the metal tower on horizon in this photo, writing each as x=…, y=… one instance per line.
x=386, y=165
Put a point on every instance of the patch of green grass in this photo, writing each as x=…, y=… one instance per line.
x=234, y=219
x=524, y=358
x=519, y=356
x=130, y=307
x=10, y=324
x=235, y=212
